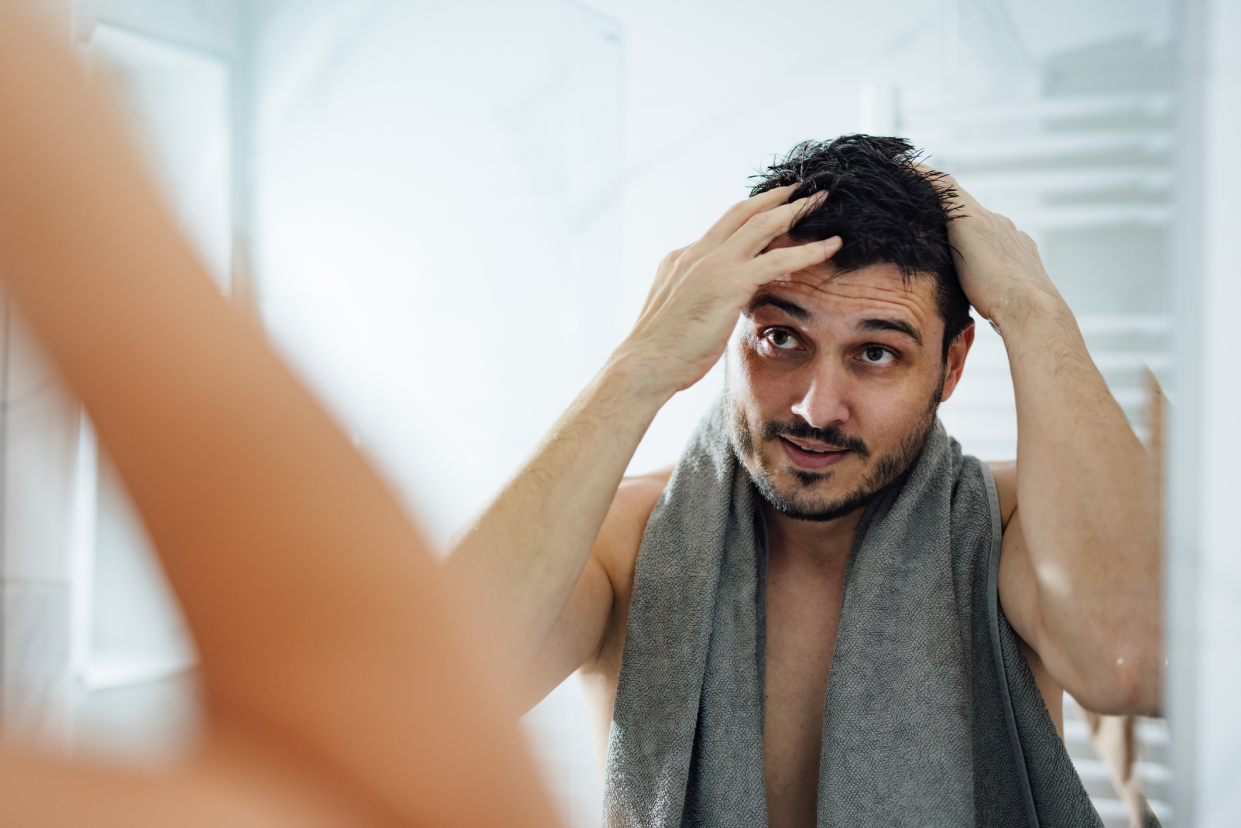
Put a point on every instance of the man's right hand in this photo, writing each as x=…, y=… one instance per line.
x=700, y=290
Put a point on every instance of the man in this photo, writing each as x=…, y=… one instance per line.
x=811, y=618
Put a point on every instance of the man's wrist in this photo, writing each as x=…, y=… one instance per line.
x=1025, y=314
x=640, y=383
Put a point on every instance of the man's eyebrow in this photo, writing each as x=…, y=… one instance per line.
x=898, y=325
x=796, y=311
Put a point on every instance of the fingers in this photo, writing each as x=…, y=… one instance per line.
x=662, y=274
x=959, y=197
x=968, y=209
x=753, y=225
x=785, y=260
x=671, y=259
x=762, y=229
x=743, y=211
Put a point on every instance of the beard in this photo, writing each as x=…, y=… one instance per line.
x=801, y=500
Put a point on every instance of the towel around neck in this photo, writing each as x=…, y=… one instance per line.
x=932, y=715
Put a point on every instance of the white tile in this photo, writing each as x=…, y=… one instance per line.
x=40, y=450
x=35, y=690
x=146, y=724
x=1219, y=659
x=40, y=462
x=30, y=369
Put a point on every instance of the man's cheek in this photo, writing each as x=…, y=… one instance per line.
x=741, y=365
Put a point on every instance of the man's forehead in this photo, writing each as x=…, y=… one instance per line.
x=878, y=288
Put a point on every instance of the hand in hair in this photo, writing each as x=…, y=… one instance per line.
x=998, y=265
x=700, y=290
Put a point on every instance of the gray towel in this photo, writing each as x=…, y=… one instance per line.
x=932, y=714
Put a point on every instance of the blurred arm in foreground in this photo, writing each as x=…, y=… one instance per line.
x=341, y=685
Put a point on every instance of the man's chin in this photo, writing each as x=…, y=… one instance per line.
x=808, y=482
x=815, y=485
x=820, y=512
x=808, y=495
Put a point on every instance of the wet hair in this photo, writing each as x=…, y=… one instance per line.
x=884, y=208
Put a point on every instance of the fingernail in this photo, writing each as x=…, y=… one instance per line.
x=833, y=244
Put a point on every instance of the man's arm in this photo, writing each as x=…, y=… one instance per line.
x=591, y=626
x=1080, y=571
x=528, y=552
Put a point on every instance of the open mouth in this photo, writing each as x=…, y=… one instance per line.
x=809, y=454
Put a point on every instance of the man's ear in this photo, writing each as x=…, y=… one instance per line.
x=954, y=363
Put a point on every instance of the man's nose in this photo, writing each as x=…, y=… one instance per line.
x=824, y=402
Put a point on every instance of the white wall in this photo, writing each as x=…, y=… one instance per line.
x=437, y=225
x=1204, y=565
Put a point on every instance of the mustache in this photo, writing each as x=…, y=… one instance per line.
x=827, y=434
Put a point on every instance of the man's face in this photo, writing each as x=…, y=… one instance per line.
x=832, y=385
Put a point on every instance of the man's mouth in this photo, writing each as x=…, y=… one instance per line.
x=811, y=454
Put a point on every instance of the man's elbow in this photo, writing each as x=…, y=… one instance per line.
x=1131, y=686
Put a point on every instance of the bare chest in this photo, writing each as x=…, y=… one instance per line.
x=803, y=612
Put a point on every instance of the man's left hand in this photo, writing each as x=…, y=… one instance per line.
x=998, y=265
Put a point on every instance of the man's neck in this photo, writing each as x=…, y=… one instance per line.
x=816, y=543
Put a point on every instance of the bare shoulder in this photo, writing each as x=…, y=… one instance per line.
x=616, y=547
x=616, y=552
x=1005, y=474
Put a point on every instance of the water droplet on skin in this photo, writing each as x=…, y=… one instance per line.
x=1120, y=660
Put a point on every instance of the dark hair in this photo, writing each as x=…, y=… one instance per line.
x=884, y=208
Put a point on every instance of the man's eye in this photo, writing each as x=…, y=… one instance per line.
x=782, y=339
x=875, y=355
